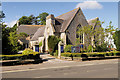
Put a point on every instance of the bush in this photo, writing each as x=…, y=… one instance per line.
x=99, y=54
x=56, y=53
x=68, y=48
x=53, y=44
x=73, y=54
x=27, y=51
x=116, y=37
x=102, y=48
x=89, y=48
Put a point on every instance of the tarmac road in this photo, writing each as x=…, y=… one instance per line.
x=56, y=68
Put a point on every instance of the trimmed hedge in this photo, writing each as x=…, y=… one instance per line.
x=98, y=54
x=26, y=54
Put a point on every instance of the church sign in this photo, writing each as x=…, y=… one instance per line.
x=76, y=49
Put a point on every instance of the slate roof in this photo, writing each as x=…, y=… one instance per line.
x=93, y=23
x=29, y=29
x=38, y=33
x=67, y=18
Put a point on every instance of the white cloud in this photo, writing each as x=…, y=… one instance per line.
x=89, y=5
x=12, y=23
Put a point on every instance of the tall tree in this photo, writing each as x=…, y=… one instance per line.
x=42, y=18
x=92, y=36
x=109, y=33
x=116, y=37
x=25, y=20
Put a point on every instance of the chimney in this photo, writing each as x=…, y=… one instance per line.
x=17, y=23
x=50, y=19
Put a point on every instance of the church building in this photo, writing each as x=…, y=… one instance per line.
x=63, y=26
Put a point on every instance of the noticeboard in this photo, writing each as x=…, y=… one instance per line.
x=62, y=48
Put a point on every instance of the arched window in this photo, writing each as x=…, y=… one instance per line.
x=79, y=35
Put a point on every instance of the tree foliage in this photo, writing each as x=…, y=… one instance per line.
x=42, y=18
x=34, y=20
x=10, y=43
x=90, y=32
x=52, y=43
x=116, y=37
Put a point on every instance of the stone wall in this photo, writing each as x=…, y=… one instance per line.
x=71, y=30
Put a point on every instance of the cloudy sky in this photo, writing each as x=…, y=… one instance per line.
x=106, y=11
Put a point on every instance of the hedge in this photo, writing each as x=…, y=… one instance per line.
x=97, y=54
x=26, y=54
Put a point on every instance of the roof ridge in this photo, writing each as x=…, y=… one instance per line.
x=32, y=25
x=93, y=18
x=72, y=17
x=67, y=12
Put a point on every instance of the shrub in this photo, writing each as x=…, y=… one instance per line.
x=68, y=48
x=40, y=44
x=89, y=48
x=56, y=53
x=27, y=51
x=116, y=37
x=102, y=48
x=52, y=43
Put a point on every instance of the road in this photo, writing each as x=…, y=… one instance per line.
x=55, y=68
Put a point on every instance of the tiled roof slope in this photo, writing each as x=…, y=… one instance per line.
x=38, y=33
x=67, y=17
x=93, y=22
x=29, y=29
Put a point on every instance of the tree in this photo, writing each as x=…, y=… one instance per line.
x=10, y=43
x=13, y=42
x=92, y=35
x=5, y=40
x=116, y=37
x=22, y=35
x=42, y=18
x=25, y=20
x=109, y=33
x=52, y=43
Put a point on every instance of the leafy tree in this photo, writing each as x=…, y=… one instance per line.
x=92, y=36
x=10, y=43
x=22, y=35
x=116, y=37
x=25, y=20
x=5, y=40
x=109, y=32
x=13, y=42
x=42, y=18
x=102, y=48
x=52, y=43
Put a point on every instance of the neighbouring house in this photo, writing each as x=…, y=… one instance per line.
x=63, y=26
x=109, y=39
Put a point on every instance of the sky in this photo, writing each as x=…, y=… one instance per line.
x=106, y=11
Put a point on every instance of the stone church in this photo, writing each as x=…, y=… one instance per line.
x=63, y=26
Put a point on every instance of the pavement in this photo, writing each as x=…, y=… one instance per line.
x=56, y=68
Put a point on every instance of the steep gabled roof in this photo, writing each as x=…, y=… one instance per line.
x=38, y=33
x=67, y=18
x=28, y=29
x=93, y=22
